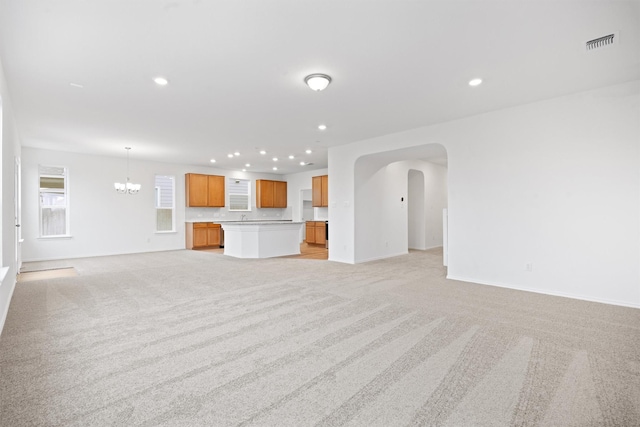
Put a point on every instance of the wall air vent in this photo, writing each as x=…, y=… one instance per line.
x=601, y=42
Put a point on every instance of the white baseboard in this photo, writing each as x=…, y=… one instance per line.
x=381, y=257
x=7, y=286
x=426, y=249
x=100, y=255
x=552, y=293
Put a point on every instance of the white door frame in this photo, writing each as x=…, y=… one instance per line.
x=18, y=213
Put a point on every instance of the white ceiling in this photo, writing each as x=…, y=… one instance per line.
x=236, y=70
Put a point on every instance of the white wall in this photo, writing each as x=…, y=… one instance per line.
x=104, y=222
x=10, y=150
x=381, y=211
x=295, y=183
x=553, y=184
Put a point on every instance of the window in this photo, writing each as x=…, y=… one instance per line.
x=165, y=203
x=239, y=194
x=54, y=201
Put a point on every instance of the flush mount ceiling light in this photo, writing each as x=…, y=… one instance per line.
x=475, y=82
x=161, y=81
x=127, y=187
x=317, y=82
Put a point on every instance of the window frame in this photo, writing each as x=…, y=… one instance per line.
x=41, y=205
x=157, y=198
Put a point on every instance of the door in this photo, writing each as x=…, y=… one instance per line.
x=316, y=185
x=200, y=235
x=18, y=213
x=280, y=194
x=213, y=235
x=325, y=190
x=197, y=189
x=264, y=193
x=215, y=187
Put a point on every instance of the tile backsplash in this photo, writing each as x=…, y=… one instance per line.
x=224, y=213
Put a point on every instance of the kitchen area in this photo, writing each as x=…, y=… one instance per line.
x=257, y=218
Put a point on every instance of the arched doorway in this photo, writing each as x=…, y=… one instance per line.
x=382, y=201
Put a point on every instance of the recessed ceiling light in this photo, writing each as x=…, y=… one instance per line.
x=275, y=168
x=236, y=153
x=302, y=163
x=308, y=151
x=322, y=127
x=213, y=160
x=275, y=159
x=244, y=170
x=248, y=165
x=229, y=155
x=475, y=82
x=292, y=156
x=263, y=152
x=161, y=81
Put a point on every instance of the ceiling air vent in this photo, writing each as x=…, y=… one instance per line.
x=601, y=42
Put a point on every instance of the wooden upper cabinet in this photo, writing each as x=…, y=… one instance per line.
x=271, y=194
x=264, y=193
x=204, y=190
x=216, y=191
x=316, y=190
x=196, y=188
x=320, y=191
x=325, y=190
x=279, y=194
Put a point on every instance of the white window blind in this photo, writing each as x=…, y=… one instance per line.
x=165, y=203
x=239, y=194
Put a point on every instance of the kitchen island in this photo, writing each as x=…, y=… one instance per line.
x=261, y=239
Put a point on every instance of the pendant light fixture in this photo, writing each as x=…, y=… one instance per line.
x=317, y=82
x=128, y=187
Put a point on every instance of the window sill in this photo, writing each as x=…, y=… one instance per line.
x=66, y=236
x=166, y=232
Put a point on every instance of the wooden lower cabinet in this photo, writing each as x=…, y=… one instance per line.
x=202, y=235
x=310, y=227
x=316, y=232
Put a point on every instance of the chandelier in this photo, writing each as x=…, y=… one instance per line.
x=128, y=187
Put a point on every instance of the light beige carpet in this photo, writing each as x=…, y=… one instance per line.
x=187, y=338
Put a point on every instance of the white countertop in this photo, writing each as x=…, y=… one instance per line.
x=259, y=222
x=219, y=221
